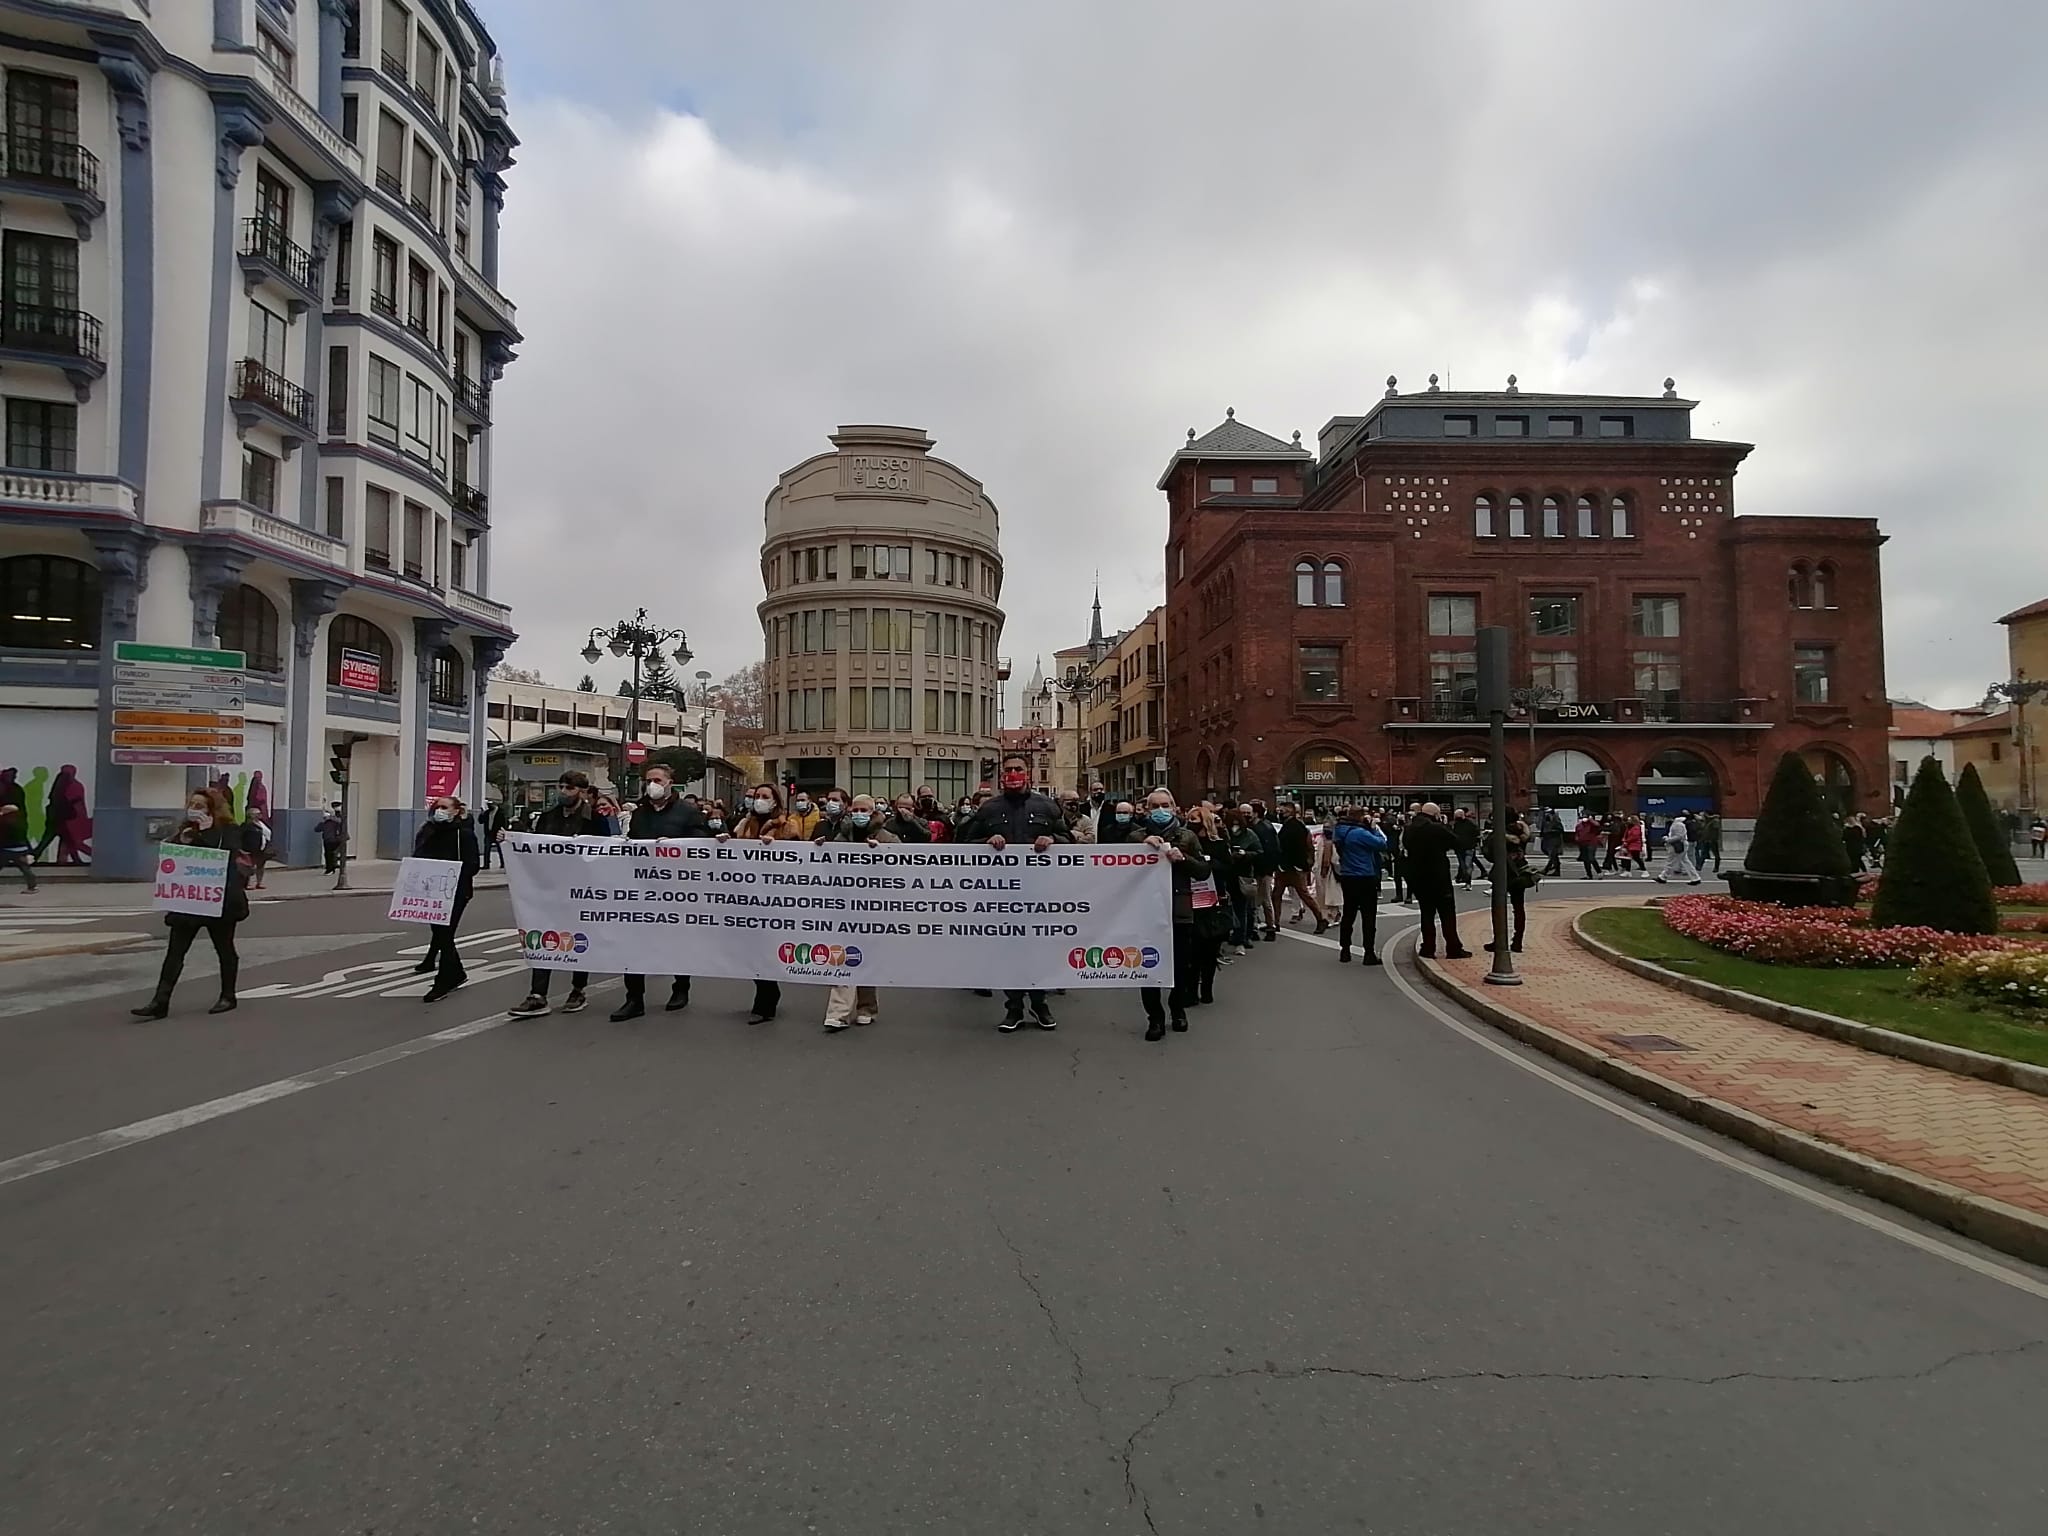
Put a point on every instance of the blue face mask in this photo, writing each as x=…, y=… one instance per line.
x=1160, y=816
x=1123, y=816
x=859, y=818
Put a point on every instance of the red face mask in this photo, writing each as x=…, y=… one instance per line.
x=1016, y=781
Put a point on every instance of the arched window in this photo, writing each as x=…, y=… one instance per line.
x=1589, y=519
x=49, y=603
x=1823, y=588
x=1518, y=518
x=348, y=633
x=1619, y=523
x=444, y=682
x=1333, y=584
x=1304, y=583
x=1800, y=585
x=248, y=623
x=1482, y=517
x=1553, y=518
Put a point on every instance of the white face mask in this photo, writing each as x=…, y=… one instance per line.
x=444, y=814
x=801, y=804
x=763, y=805
x=202, y=819
x=656, y=790
x=834, y=808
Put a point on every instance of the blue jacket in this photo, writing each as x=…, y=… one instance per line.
x=1358, y=849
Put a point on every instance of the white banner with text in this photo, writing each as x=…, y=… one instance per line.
x=901, y=915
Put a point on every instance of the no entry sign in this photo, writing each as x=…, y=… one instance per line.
x=636, y=752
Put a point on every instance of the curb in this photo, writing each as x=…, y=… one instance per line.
x=125, y=942
x=1991, y=1222
x=1871, y=1037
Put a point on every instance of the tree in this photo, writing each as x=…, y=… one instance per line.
x=658, y=680
x=1795, y=835
x=743, y=698
x=625, y=689
x=588, y=685
x=1933, y=875
x=687, y=763
x=1992, y=844
x=511, y=674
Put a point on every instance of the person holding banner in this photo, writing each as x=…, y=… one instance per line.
x=209, y=823
x=660, y=816
x=448, y=833
x=765, y=822
x=574, y=814
x=1162, y=829
x=1018, y=816
x=859, y=823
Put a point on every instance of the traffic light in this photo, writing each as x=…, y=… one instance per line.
x=337, y=762
x=988, y=770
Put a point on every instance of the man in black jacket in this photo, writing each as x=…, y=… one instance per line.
x=1017, y=815
x=1426, y=849
x=574, y=814
x=660, y=813
x=905, y=822
x=1465, y=833
x=1297, y=866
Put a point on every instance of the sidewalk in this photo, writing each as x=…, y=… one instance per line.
x=1969, y=1154
x=366, y=877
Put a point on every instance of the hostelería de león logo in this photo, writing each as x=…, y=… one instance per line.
x=1113, y=957
x=835, y=956
x=550, y=941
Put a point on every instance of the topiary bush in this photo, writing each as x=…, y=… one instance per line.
x=1795, y=857
x=1933, y=875
x=1985, y=830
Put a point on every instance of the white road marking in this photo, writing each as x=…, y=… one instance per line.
x=1924, y=1242
x=64, y=1154
x=25, y=921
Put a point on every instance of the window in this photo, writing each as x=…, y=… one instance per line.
x=1554, y=614
x=390, y=152
x=336, y=509
x=1319, y=670
x=337, y=391
x=427, y=66
x=903, y=709
x=1452, y=615
x=344, y=261
x=42, y=434
x=273, y=208
x=900, y=567
x=1453, y=684
x=1558, y=670
x=950, y=724
x=1553, y=518
x=259, y=479
x=857, y=629
x=828, y=630
x=49, y=603
x=1617, y=426
x=828, y=719
x=382, y=401
x=1656, y=680
x=1265, y=486
x=1589, y=519
x=1518, y=518
x=267, y=337
x=931, y=710
x=415, y=539
x=351, y=120
x=377, y=527
x=947, y=779
x=417, y=288
x=1824, y=585
x=1812, y=674
x=347, y=632
x=1304, y=584
x=384, y=276
x=886, y=777
x=952, y=635
x=42, y=113
x=1222, y=484
x=458, y=564
x=1333, y=584
x=831, y=562
x=419, y=418
x=1563, y=426
x=903, y=644
x=931, y=634
x=1461, y=426
x=931, y=567
x=1619, y=524
x=1655, y=618
x=444, y=682
x=856, y=709
x=41, y=291
x=1482, y=517
x=1510, y=426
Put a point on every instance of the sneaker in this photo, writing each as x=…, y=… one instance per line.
x=1695, y=880
x=575, y=1002
x=534, y=1004
x=863, y=1018
x=1012, y=1022
x=1658, y=878
x=833, y=1026
x=1043, y=1018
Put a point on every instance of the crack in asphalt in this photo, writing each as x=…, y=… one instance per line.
x=1052, y=1323
x=1133, y=1494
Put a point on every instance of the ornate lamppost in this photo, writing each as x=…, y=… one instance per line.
x=643, y=641
x=1530, y=700
x=1077, y=685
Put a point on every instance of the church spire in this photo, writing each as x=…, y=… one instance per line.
x=1097, y=646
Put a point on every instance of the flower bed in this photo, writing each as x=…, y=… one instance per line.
x=1813, y=936
x=2022, y=895
x=2009, y=978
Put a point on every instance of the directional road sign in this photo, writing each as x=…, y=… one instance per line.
x=178, y=704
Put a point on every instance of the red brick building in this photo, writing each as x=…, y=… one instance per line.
x=1322, y=608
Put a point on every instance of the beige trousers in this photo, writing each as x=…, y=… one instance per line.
x=845, y=1002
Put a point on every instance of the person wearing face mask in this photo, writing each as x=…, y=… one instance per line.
x=1162, y=830
x=574, y=814
x=1079, y=816
x=831, y=812
x=803, y=815
x=1119, y=824
x=1265, y=903
x=209, y=823
x=938, y=821
x=1099, y=804
x=905, y=821
x=765, y=822
x=1018, y=816
x=861, y=823
x=660, y=815
x=448, y=833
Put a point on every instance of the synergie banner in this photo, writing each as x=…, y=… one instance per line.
x=901, y=915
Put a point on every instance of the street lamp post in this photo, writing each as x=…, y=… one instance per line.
x=642, y=640
x=1529, y=700
x=1077, y=685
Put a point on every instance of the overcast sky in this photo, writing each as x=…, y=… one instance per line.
x=1058, y=235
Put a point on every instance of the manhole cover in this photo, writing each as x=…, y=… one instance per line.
x=1646, y=1042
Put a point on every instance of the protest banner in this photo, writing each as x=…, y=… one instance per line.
x=425, y=891
x=190, y=880
x=901, y=915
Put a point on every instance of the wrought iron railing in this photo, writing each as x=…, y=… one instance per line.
x=60, y=332
x=46, y=158
x=265, y=239
x=262, y=386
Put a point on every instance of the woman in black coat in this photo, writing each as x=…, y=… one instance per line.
x=449, y=832
x=208, y=824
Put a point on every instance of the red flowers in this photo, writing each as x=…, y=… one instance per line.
x=2022, y=895
x=1816, y=936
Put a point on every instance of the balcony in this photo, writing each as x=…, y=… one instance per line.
x=470, y=500
x=388, y=182
x=385, y=304
x=481, y=609
x=394, y=66
x=68, y=338
x=248, y=525
x=473, y=399
x=86, y=496
x=1593, y=714
x=261, y=395
x=38, y=165
x=497, y=310
x=267, y=253
x=303, y=120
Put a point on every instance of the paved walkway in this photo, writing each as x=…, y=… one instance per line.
x=1979, y=1137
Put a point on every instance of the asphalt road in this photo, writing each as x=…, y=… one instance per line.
x=1325, y=1263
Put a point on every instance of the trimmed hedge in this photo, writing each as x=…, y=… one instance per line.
x=1992, y=845
x=1933, y=875
x=1795, y=834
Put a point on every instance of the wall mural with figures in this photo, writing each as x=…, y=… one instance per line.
x=47, y=758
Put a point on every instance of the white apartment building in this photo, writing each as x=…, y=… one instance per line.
x=249, y=333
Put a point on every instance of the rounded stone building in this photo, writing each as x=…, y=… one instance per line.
x=881, y=622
